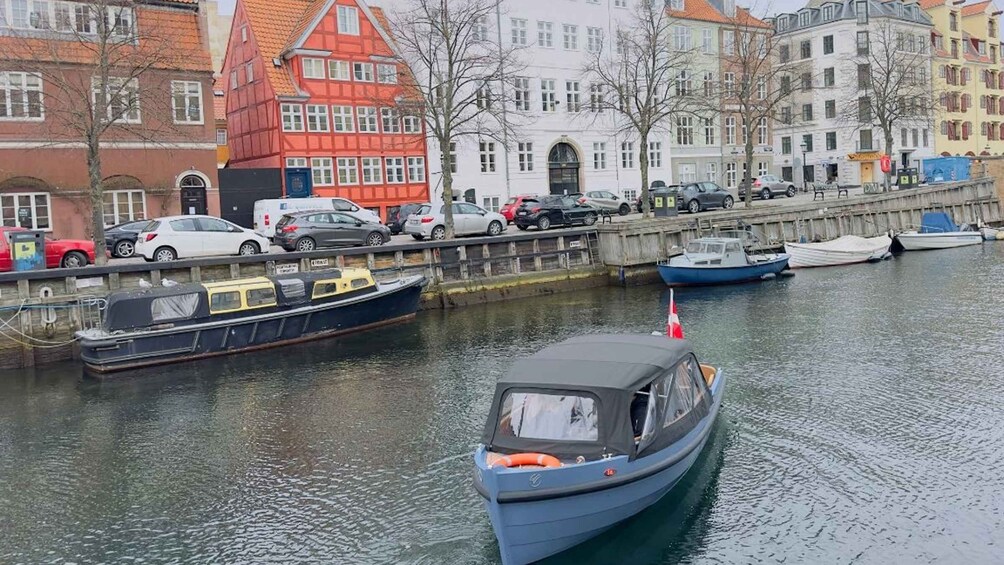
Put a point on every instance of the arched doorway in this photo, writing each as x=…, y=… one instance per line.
x=193, y=195
x=563, y=169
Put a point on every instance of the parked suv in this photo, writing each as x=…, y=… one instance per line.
x=606, y=200
x=766, y=187
x=554, y=210
x=397, y=216
x=306, y=231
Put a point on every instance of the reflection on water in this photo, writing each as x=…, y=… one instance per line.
x=861, y=424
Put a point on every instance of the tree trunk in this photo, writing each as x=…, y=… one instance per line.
x=646, y=212
x=97, y=200
x=888, y=151
x=444, y=149
x=748, y=175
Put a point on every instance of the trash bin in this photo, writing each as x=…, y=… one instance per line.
x=907, y=178
x=665, y=204
x=27, y=250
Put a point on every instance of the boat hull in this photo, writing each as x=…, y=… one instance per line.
x=825, y=255
x=912, y=241
x=394, y=302
x=675, y=275
x=531, y=529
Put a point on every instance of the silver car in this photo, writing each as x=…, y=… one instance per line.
x=766, y=187
x=468, y=219
x=606, y=200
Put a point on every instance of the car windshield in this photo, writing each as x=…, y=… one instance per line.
x=424, y=209
x=529, y=202
x=553, y=416
x=152, y=226
x=511, y=200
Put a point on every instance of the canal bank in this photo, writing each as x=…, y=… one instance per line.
x=42, y=309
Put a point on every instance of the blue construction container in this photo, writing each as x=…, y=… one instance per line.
x=946, y=169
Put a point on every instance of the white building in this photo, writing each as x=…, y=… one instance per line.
x=820, y=44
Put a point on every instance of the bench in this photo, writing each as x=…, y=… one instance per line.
x=820, y=189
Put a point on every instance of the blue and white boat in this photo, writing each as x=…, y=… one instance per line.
x=720, y=260
x=587, y=433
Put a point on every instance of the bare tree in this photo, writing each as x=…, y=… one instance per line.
x=462, y=75
x=93, y=57
x=638, y=78
x=893, y=86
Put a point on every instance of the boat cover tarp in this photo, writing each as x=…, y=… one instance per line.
x=937, y=222
x=848, y=243
x=608, y=367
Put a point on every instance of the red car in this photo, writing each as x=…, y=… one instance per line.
x=509, y=208
x=67, y=253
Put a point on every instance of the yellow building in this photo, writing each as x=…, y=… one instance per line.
x=967, y=78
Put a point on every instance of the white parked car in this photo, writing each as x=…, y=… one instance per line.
x=268, y=212
x=468, y=219
x=177, y=237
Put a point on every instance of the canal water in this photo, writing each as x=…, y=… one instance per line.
x=862, y=424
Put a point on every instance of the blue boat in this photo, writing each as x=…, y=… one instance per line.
x=587, y=433
x=719, y=260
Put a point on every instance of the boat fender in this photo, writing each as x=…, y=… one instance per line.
x=767, y=276
x=520, y=459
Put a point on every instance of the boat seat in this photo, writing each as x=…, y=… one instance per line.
x=709, y=373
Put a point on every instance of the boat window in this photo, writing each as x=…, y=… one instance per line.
x=646, y=430
x=695, y=247
x=681, y=395
x=179, y=307
x=359, y=283
x=224, y=301
x=560, y=417
x=261, y=297
x=732, y=246
x=325, y=288
x=694, y=368
x=716, y=248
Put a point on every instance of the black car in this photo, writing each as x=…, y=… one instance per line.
x=695, y=196
x=553, y=210
x=398, y=215
x=307, y=231
x=121, y=239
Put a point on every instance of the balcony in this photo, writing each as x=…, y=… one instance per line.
x=864, y=146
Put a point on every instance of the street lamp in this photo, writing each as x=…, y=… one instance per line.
x=804, y=147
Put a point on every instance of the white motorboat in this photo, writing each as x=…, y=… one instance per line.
x=937, y=231
x=991, y=234
x=841, y=251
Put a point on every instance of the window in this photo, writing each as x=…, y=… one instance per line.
x=709, y=131
x=452, y=156
x=390, y=121
x=339, y=70
x=594, y=39
x=627, y=154
x=806, y=49
x=620, y=3
x=707, y=42
x=861, y=10
x=786, y=145
x=786, y=114
x=387, y=74
x=313, y=68
x=223, y=301
x=348, y=172
x=684, y=130
x=233, y=80
x=121, y=102
x=762, y=168
x=412, y=124
x=395, y=170
x=480, y=31
x=806, y=81
x=681, y=38
x=831, y=140
x=572, y=96
x=292, y=117
x=599, y=156
x=655, y=154
x=785, y=85
x=807, y=112
x=729, y=42
x=367, y=117
x=348, y=20
x=518, y=31
x=244, y=34
x=341, y=119
x=168, y=308
x=372, y=171
x=831, y=109
x=708, y=84
x=321, y=169
x=924, y=132
x=596, y=98
x=904, y=133
x=807, y=141
x=864, y=76
x=521, y=96
x=363, y=72
x=827, y=16
x=711, y=171
x=547, y=95
x=729, y=83
x=416, y=169
x=683, y=83
x=676, y=5
x=296, y=162
x=570, y=37
x=784, y=53
x=558, y=417
x=221, y=136
x=524, y=152
x=259, y=297
x=803, y=19
x=317, y=117
x=20, y=95
x=953, y=21
x=829, y=76
x=730, y=175
x=124, y=206
x=762, y=132
x=249, y=72
x=865, y=140
x=490, y=203
x=545, y=34
x=730, y=130
x=862, y=42
x=916, y=139
x=486, y=149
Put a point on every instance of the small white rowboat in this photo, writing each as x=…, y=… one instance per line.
x=841, y=251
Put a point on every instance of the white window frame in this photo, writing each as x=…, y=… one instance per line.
x=7, y=95
x=249, y=72
x=707, y=41
x=389, y=117
x=387, y=73
x=221, y=136
x=411, y=124
x=486, y=153
x=518, y=29
x=348, y=20
x=312, y=68
x=10, y=201
x=343, y=119
x=524, y=153
x=730, y=130
x=119, y=84
x=416, y=169
x=294, y=113
x=599, y=156
x=369, y=114
x=570, y=37
x=296, y=162
x=319, y=113
x=711, y=171
x=521, y=95
x=548, y=94
x=362, y=72
x=350, y=167
x=395, y=170
x=372, y=168
x=189, y=92
x=339, y=70
x=321, y=171
x=655, y=154
x=627, y=154
x=594, y=39
x=545, y=35
x=131, y=198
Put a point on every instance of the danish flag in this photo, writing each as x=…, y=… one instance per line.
x=673, y=328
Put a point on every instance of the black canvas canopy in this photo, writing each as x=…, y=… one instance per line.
x=607, y=368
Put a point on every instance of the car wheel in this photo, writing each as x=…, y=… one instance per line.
x=73, y=260
x=590, y=219
x=694, y=206
x=521, y=228
x=728, y=202
x=249, y=248
x=374, y=239
x=124, y=248
x=624, y=210
x=419, y=237
x=495, y=228
x=439, y=233
x=544, y=223
x=165, y=254
x=306, y=244
x=790, y=192
x=765, y=194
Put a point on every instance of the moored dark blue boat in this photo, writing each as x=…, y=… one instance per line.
x=625, y=416
x=714, y=260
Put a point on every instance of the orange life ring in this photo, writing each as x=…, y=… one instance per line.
x=519, y=459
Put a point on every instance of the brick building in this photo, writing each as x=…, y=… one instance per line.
x=157, y=156
x=312, y=84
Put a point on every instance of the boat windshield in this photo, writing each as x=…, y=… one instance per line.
x=696, y=247
x=550, y=416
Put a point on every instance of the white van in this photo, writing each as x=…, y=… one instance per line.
x=267, y=212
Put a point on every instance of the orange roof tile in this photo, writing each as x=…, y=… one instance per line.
x=974, y=9
x=272, y=23
x=745, y=18
x=699, y=10
x=926, y=4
